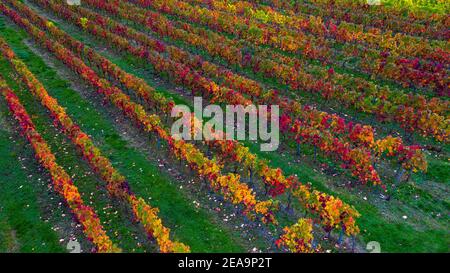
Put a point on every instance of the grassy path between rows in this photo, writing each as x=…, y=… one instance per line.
x=21, y=226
